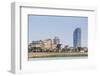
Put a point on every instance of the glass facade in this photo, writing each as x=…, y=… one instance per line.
x=77, y=38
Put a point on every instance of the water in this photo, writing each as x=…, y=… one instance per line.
x=57, y=58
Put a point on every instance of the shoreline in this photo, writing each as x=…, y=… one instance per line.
x=53, y=54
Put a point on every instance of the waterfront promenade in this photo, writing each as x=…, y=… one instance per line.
x=56, y=54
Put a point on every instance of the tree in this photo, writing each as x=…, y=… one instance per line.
x=79, y=49
x=58, y=47
x=29, y=49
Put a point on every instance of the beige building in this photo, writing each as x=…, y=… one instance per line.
x=45, y=44
x=38, y=44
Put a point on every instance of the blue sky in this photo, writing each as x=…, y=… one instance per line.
x=43, y=27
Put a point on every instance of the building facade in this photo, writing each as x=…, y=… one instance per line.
x=46, y=44
x=77, y=38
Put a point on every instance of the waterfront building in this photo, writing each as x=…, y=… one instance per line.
x=47, y=44
x=77, y=38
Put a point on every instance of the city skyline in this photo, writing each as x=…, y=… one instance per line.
x=42, y=27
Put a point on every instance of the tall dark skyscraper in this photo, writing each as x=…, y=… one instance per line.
x=77, y=38
x=56, y=40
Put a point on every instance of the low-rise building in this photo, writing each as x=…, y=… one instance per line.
x=47, y=44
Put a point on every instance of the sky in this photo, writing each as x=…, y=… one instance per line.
x=44, y=27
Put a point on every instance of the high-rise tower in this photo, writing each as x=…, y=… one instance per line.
x=77, y=38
